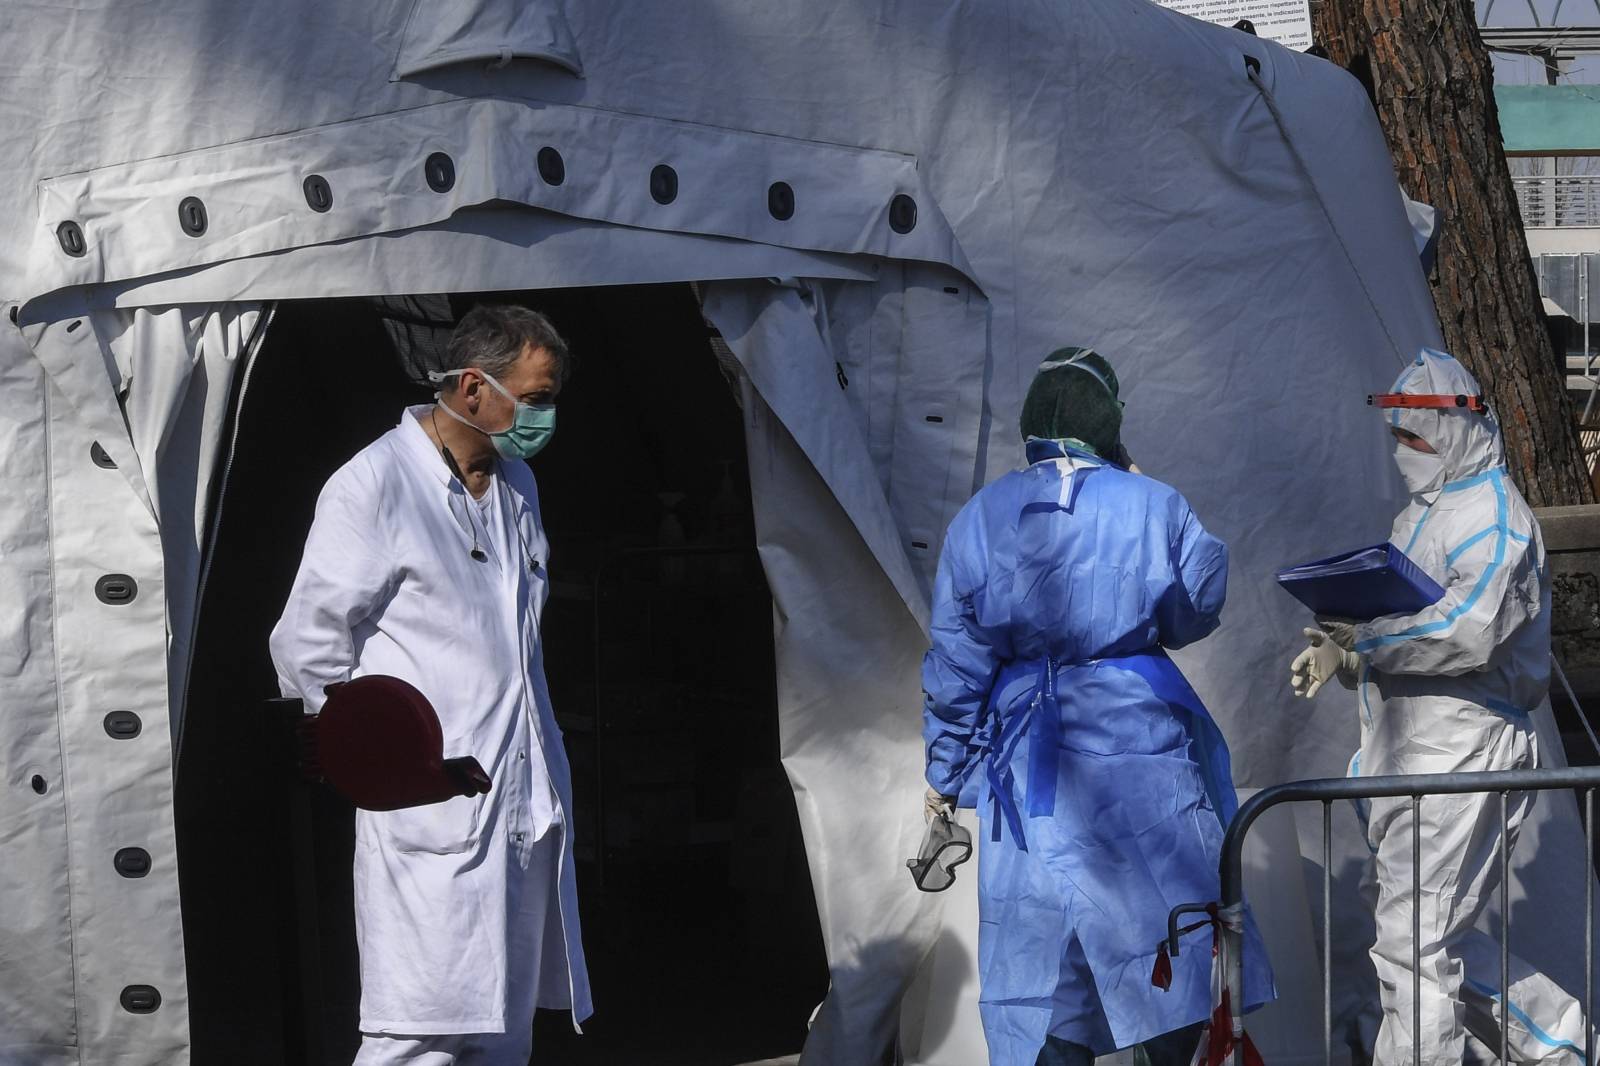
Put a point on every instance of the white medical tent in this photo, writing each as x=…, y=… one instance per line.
x=892, y=211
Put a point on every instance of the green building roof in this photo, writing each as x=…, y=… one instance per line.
x=1550, y=119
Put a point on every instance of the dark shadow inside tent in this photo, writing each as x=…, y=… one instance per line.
x=698, y=916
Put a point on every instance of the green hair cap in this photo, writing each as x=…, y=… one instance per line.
x=1074, y=395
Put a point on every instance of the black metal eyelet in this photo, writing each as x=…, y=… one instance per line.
x=122, y=725
x=780, y=201
x=100, y=457
x=663, y=184
x=131, y=862
x=140, y=999
x=440, y=171
x=70, y=236
x=192, y=216
x=902, y=214
x=38, y=784
x=552, y=168
x=116, y=589
x=319, y=194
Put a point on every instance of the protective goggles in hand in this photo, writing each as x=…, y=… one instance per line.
x=945, y=846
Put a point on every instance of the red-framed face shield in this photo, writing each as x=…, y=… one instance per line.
x=1474, y=404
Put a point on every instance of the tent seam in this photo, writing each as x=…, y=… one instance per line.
x=1316, y=191
x=61, y=743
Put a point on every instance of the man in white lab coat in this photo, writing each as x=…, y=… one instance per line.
x=426, y=561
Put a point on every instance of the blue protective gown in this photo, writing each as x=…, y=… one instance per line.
x=1100, y=779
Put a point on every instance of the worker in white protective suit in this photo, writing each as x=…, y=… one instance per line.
x=1451, y=688
x=426, y=561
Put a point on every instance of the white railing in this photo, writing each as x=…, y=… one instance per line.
x=1566, y=201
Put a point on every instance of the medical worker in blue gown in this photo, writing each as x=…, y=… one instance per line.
x=1101, y=781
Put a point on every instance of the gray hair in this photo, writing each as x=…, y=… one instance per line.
x=492, y=337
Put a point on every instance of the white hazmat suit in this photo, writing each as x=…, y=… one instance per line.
x=466, y=910
x=1448, y=689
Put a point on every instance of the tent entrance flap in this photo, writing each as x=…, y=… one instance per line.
x=659, y=655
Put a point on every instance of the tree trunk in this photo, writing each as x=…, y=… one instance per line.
x=1432, y=84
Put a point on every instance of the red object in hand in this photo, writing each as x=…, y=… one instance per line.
x=379, y=743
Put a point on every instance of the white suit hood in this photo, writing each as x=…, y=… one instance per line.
x=1467, y=443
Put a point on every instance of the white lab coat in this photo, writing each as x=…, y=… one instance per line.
x=387, y=585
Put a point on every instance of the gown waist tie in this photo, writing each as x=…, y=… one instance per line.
x=1040, y=722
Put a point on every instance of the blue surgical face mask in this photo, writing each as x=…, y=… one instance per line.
x=532, y=424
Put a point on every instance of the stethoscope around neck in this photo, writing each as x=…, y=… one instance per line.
x=476, y=552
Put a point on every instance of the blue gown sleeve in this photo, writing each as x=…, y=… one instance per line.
x=1192, y=605
x=960, y=668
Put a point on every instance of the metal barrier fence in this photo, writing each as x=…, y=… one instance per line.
x=1558, y=201
x=1415, y=786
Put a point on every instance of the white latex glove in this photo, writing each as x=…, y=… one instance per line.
x=1339, y=630
x=1322, y=661
x=933, y=803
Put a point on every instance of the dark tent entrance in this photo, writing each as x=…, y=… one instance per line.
x=698, y=916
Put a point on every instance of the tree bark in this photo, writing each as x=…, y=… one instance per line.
x=1432, y=84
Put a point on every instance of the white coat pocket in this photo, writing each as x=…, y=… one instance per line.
x=447, y=828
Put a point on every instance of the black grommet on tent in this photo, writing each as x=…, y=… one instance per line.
x=122, y=725
x=13, y=314
x=116, y=589
x=1245, y=26
x=902, y=214
x=70, y=236
x=192, y=215
x=552, y=168
x=101, y=458
x=663, y=184
x=780, y=201
x=319, y=194
x=37, y=783
x=140, y=999
x=1252, y=64
x=131, y=862
x=440, y=170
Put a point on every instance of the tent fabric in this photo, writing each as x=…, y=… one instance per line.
x=843, y=733
x=776, y=340
x=1215, y=214
x=36, y=1006
x=487, y=248
x=171, y=370
x=79, y=934
x=255, y=202
x=438, y=35
x=176, y=366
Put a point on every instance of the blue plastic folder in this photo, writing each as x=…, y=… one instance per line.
x=1362, y=585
